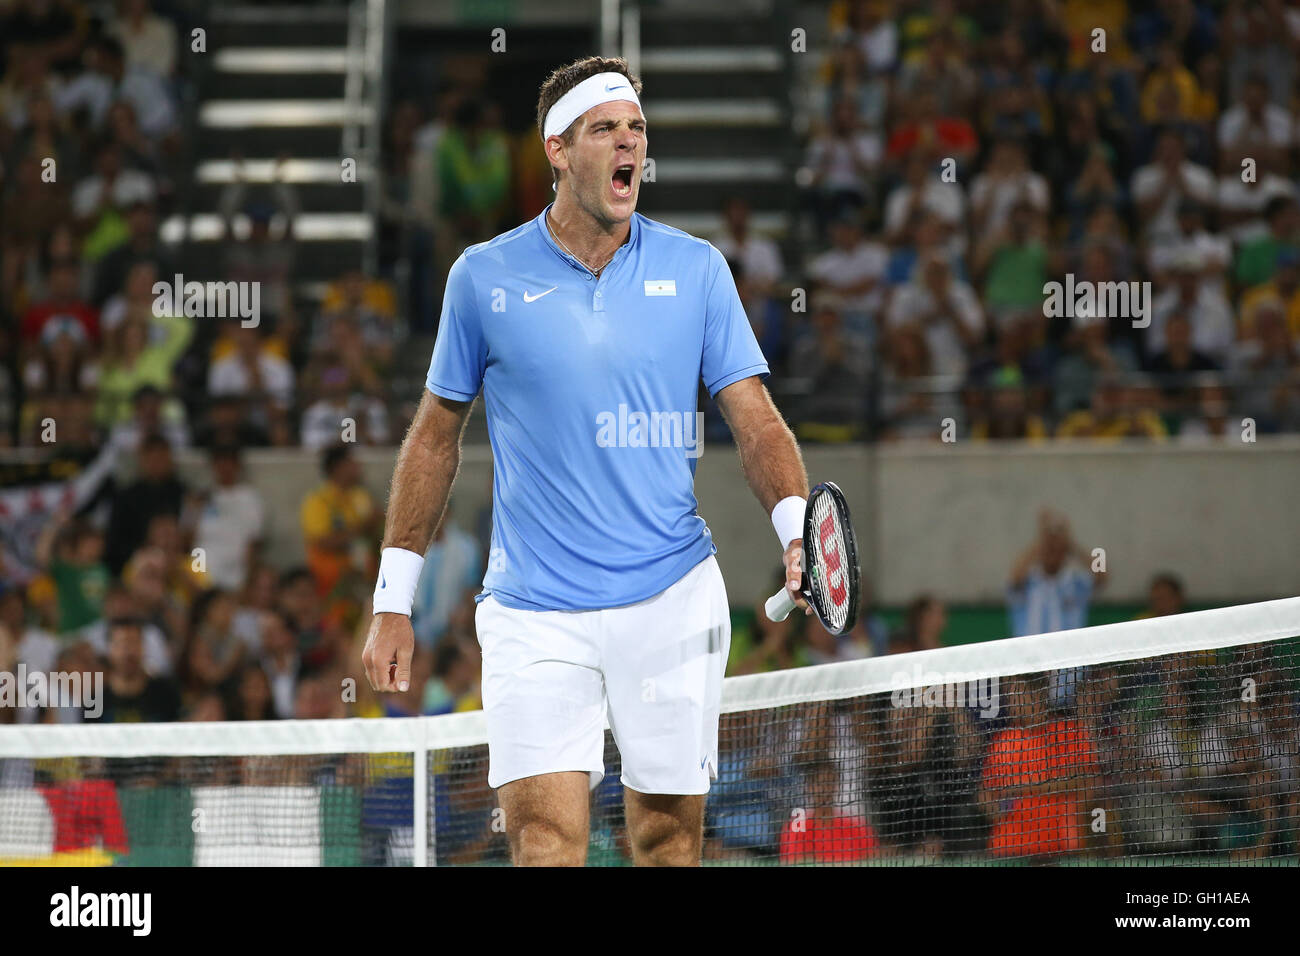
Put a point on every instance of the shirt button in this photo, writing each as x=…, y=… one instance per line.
x=599, y=294
x=588, y=278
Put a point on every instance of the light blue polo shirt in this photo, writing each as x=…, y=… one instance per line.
x=591, y=389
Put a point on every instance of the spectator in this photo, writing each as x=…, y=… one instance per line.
x=368, y=306
x=1006, y=183
x=1203, y=304
x=231, y=521
x=1050, y=588
x=156, y=491
x=932, y=130
x=106, y=78
x=911, y=403
x=257, y=254
x=256, y=373
x=1117, y=411
x=1170, y=179
x=853, y=270
x=339, y=520
x=131, y=695
x=152, y=412
x=64, y=309
x=32, y=646
x=1164, y=596
x=473, y=173
x=1038, y=777
x=1013, y=259
x=119, y=603
x=453, y=567
x=454, y=684
x=343, y=412
x=759, y=256
x=148, y=40
x=835, y=363
x=1283, y=291
x=1008, y=415
x=281, y=663
x=1209, y=417
x=253, y=699
x=72, y=552
x=840, y=163
x=141, y=245
x=214, y=655
x=922, y=191
x=1092, y=356
x=1266, y=366
x=132, y=361
x=944, y=309
x=924, y=622
x=100, y=200
x=1257, y=259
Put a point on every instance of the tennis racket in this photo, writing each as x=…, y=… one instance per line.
x=830, y=563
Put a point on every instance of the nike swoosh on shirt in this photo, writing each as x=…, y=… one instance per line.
x=534, y=298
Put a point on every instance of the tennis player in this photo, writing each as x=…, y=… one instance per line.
x=589, y=330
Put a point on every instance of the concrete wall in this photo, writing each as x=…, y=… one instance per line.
x=952, y=518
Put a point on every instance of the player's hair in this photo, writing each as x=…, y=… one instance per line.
x=570, y=75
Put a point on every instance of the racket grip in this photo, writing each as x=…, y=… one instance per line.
x=779, y=605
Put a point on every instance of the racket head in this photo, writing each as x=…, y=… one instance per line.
x=832, y=579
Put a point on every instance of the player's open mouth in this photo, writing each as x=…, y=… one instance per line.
x=621, y=182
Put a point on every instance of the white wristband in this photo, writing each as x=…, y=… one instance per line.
x=399, y=573
x=787, y=519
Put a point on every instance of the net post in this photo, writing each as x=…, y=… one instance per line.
x=420, y=792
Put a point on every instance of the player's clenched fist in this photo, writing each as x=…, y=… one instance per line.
x=387, y=656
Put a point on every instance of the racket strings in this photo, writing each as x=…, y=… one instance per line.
x=824, y=575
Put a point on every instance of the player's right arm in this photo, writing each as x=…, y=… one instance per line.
x=422, y=478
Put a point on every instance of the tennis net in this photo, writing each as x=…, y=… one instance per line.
x=1164, y=741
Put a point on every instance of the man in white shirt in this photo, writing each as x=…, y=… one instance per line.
x=1255, y=127
x=924, y=191
x=946, y=309
x=251, y=371
x=1204, y=304
x=231, y=522
x=110, y=185
x=107, y=78
x=1162, y=185
x=148, y=40
x=757, y=255
x=853, y=269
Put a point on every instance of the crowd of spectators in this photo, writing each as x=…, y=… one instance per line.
x=962, y=155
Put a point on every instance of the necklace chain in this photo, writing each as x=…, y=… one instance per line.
x=595, y=272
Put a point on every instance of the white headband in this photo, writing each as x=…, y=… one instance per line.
x=594, y=90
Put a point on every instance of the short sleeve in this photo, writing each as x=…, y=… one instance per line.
x=730, y=350
x=460, y=352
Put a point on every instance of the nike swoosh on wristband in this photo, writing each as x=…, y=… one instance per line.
x=382, y=583
x=534, y=298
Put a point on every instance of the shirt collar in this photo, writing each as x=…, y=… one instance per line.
x=633, y=237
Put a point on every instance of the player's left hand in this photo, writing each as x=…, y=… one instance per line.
x=793, y=559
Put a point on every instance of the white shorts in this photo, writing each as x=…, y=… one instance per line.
x=655, y=668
